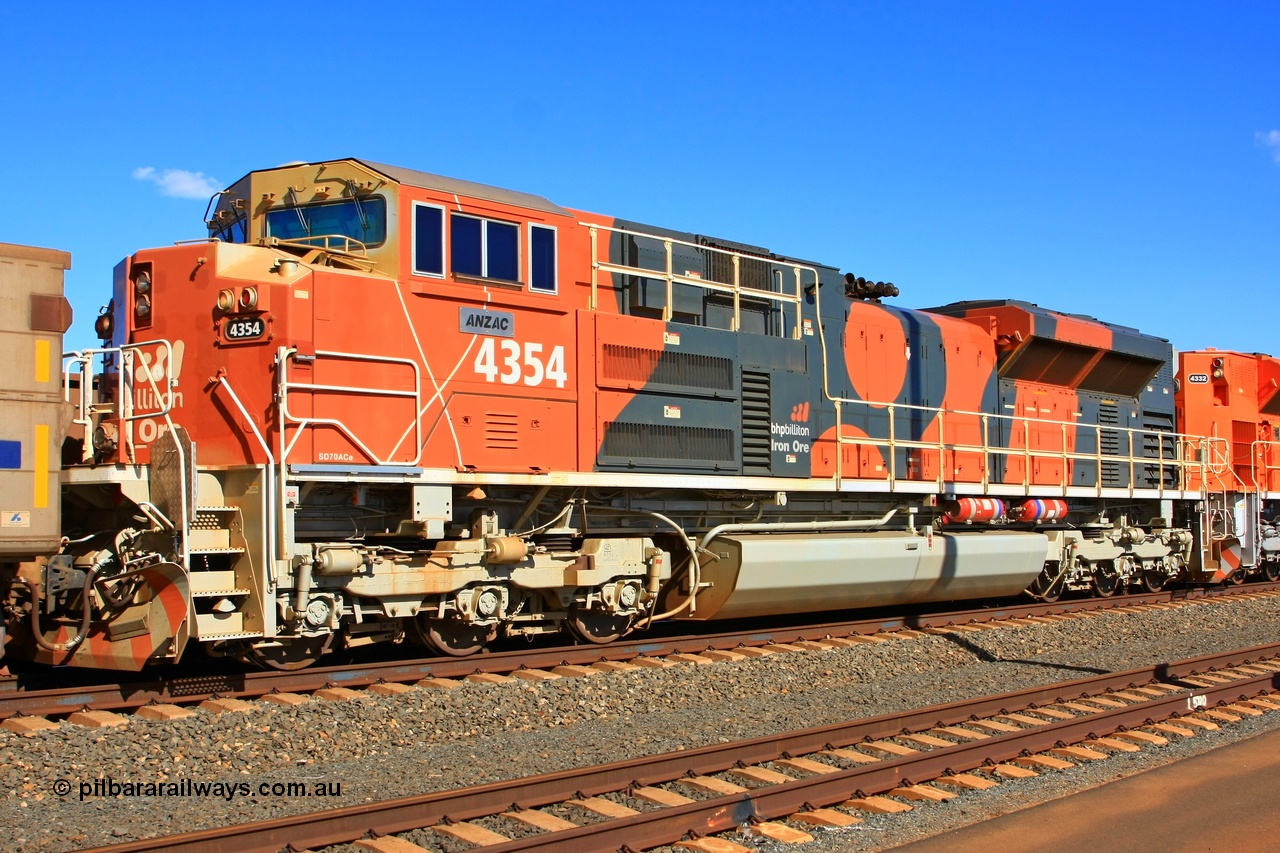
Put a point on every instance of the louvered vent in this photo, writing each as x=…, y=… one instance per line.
x=756, y=439
x=668, y=443
x=1158, y=443
x=1111, y=443
x=501, y=431
x=751, y=273
x=1243, y=434
x=662, y=367
x=1164, y=377
x=1243, y=374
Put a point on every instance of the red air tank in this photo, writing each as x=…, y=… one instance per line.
x=974, y=509
x=1038, y=510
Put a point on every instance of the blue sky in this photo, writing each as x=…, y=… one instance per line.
x=1120, y=160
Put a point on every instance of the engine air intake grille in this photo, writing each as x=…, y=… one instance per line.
x=1156, y=444
x=661, y=367
x=757, y=447
x=660, y=441
x=1110, y=443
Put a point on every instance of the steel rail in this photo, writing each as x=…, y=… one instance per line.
x=188, y=689
x=666, y=825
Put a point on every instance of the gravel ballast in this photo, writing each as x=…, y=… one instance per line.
x=379, y=747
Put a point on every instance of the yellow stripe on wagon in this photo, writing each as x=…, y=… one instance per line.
x=42, y=466
x=42, y=360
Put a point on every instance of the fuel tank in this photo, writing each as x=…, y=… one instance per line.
x=760, y=574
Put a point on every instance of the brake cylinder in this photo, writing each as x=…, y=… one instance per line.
x=506, y=549
x=339, y=561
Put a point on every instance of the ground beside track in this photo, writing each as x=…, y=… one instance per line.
x=1221, y=801
x=380, y=747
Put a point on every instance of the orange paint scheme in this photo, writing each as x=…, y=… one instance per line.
x=858, y=461
x=875, y=349
x=619, y=357
x=165, y=596
x=1044, y=422
x=971, y=359
x=1013, y=326
x=1231, y=399
x=1074, y=330
x=380, y=370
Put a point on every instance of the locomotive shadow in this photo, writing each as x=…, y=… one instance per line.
x=987, y=656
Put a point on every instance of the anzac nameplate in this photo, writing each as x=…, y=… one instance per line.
x=499, y=323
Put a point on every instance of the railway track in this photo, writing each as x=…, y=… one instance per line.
x=818, y=776
x=179, y=690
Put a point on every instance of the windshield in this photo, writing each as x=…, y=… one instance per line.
x=361, y=219
x=230, y=231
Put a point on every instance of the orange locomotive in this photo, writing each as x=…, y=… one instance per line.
x=379, y=404
x=1234, y=398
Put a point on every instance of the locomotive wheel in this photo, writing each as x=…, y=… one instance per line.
x=595, y=626
x=1238, y=577
x=1104, y=583
x=290, y=655
x=1271, y=570
x=1153, y=580
x=1047, y=589
x=451, y=637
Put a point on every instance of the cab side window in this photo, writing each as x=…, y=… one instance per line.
x=485, y=248
x=542, y=259
x=428, y=239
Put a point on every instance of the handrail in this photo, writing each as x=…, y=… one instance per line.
x=303, y=423
x=1259, y=461
x=272, y=530
x=668, y=275
x=127, y=375
x=320, y=241
x=1191, y=453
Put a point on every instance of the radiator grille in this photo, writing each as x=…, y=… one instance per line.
x=662, y=367
x=756, y=439
x=673, y=443
x=1110, y=443
x=1156, y=444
